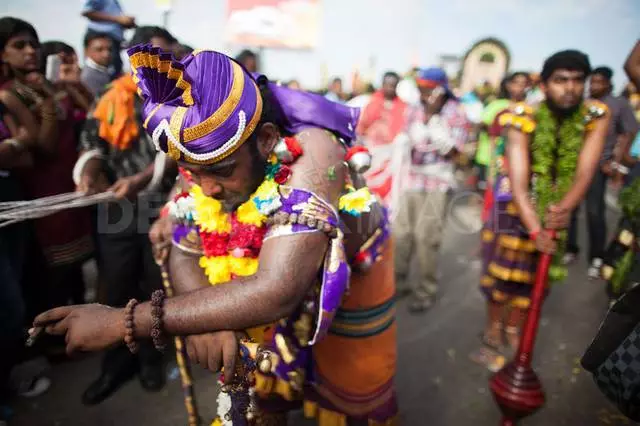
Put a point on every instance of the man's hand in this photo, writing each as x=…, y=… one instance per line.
x=87, y=328
x=127, y=21
x=545, y=243
x=160, y=235
x=557, y=217
x=215, y=350
x=128, y=187
x=92, y=184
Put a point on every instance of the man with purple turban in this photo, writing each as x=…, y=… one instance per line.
x=281, y=257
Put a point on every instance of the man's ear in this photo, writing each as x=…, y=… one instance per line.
x=268, y=137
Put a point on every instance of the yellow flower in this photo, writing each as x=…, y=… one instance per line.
x=243, y=266
x=249, y=214
x=272, y=159
x=356, y=202
x=216, y=268
x=209, y=214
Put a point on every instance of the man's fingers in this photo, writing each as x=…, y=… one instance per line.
x=229, y=352
x=58, y=328
x=214, y=356
x=52, y=315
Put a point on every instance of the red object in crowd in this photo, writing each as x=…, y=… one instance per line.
x=354, y=150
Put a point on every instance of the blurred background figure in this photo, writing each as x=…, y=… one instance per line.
x=97, y=71
x=182, y=50
x=107, y=16
x=383, y=118
x=294, y=84
x=622, y=130
x=249, y=60
x=334, y=91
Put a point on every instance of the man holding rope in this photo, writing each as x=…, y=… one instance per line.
x=119, y=156
x=273, y=231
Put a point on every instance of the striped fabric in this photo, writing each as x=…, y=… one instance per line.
x=364, y=322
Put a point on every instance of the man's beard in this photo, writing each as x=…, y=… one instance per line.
x=563, y=111
x=258, y=164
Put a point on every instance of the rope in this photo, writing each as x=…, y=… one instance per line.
x=41, y=207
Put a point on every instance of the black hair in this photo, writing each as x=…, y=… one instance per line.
x=93, y=35
x=572, y=60
x=11, y=27
x=391, y=74
x=244, y=55
x=143, y=35
x=605, y=72
x=336, y=80
x=517, y=74
x=53, y=47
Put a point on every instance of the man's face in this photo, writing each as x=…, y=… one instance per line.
x=233, y=179
x=161, y=42
x=389, y=86
x=99, y=50
x=599, y=86
x=22, y=52
x=432, y=96
x=336, y=86
x=564, y=88
x=517, y=88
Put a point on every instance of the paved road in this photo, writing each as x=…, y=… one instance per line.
x=437, y=384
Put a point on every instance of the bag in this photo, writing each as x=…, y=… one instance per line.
x=613, y=358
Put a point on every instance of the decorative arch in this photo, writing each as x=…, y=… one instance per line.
x=488, y=59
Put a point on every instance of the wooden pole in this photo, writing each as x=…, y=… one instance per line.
x=181, y=350
x=516, y=388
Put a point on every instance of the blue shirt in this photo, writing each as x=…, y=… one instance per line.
x=111, y=7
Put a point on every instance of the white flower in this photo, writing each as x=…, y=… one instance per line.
x=224, y=407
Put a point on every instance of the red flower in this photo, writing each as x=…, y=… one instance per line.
x=214, y=244
x=186, y=174
x=282, y=175
x=293, y=146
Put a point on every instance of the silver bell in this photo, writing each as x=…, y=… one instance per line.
x=282, y=152
x=360, y=162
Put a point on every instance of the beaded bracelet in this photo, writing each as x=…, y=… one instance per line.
x=128, y=323
x=157, y=302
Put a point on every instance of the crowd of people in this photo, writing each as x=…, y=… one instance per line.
x=208, y=158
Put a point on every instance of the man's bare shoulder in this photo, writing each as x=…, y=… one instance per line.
x=321, y=167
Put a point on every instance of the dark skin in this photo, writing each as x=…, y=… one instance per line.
x=564, y=89
x=389, y=86
x=123, y=20
x=517, y=88
x=21, y=54
x=285, y=274
x=632, y=65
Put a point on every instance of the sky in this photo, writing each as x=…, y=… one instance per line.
x=379, y=35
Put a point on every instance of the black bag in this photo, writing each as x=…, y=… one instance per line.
x=614, y=355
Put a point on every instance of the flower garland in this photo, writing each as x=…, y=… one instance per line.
x=232, y=241
x=555, y=150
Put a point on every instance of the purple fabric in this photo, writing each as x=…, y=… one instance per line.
x=210, y=76
x=301, y=110
x=335, y=278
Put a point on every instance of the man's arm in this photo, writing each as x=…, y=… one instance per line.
x=632, y=66
x=288, y=265
x=520, y=176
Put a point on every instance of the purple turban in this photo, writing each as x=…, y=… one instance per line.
x=201, y=109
